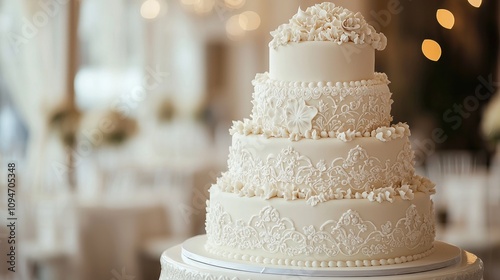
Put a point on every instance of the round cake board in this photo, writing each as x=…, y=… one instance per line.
x=444, y=255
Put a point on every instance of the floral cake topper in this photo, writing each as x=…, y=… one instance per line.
x=327, y=22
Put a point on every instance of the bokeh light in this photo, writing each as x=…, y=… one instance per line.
x=249, y=20
x=445, y=18
x=203, y=6
x=233, y=28
x=476, y=3
x=431, y=49
x=150, y=9
x=234, y=4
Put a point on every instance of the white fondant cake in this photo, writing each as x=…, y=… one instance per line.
x=317, y=177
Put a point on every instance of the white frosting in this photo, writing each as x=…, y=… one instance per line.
x=319, y=170
x=332, y=234
x=327, y=22
x=359, y=106
x=346, y=159
x=321, y=61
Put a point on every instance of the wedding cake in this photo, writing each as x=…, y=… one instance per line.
x=318, y=177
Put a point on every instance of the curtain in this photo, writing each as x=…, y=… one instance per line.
x=33, y=65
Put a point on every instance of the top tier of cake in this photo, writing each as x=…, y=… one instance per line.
x=324, y=43
x=321, y=82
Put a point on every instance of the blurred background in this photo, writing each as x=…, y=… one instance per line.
x=116, y=115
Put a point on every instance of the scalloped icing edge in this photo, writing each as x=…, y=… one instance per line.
x=308, y=263
x=384, y=133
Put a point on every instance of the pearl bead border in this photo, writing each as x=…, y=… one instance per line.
x=314, y=263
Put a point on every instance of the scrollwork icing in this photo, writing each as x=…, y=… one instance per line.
x=350, y=235
x=291, y=175
x=361, y=106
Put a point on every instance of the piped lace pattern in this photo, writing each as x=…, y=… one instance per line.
x=291, y=175
x=350, y=235
x=321, y=108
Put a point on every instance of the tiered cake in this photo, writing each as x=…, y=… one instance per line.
x=318, y=179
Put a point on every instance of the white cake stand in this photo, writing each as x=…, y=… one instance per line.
x=190, y=261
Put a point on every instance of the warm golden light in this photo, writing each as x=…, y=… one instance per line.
x=445, y=18
x=189, y=2
x=249, y=20
x=233, y=28
x=203, y=6
x=431, y=49
x=476, y=3
x=150, y=9
x=234, y=4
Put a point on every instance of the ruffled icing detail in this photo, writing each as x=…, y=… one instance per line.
x=406, y=191
x=384, y=134
x=329, y=23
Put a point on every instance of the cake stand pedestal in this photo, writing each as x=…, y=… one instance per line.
x=190, y=261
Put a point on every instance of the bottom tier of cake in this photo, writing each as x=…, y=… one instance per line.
x=176, y=266
x=337, y=233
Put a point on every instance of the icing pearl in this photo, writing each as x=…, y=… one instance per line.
x=329, y=84
x=375, y=263
x=367, y=263
x=331, y=264
x=390, y=261
x=357, y=83
x=350, y=264
x=340, y=264
x=338, y=84
x=359, y=263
